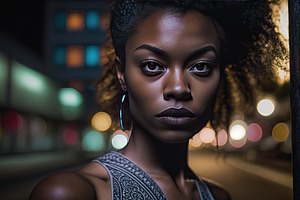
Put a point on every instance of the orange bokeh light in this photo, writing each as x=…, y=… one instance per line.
x=75, y=20
x=74, y=56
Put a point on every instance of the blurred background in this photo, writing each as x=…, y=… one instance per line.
x=51, y=54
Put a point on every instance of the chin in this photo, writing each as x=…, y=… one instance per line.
x=176, y=136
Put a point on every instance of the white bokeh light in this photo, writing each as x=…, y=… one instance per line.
x=266, y=107
x=237, y=130
x=119, y=141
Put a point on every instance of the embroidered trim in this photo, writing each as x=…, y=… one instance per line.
x=130, y=182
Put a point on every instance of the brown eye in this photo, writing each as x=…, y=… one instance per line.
x=151, y=67
x=202, y=68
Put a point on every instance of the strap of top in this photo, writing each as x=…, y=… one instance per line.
x=129, y=181
x=203, y=190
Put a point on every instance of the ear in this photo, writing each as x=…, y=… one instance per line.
x=121, y=73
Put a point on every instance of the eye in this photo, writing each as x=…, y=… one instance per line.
x=151, y=67
x=202, y=68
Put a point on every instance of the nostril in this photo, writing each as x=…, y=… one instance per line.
x=178, y=95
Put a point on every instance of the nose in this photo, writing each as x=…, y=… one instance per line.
x=177, y=86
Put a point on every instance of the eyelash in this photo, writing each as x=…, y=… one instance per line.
x=205, y=64
x=144, y=65
x=151, y=72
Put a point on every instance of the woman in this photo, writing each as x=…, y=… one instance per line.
x=171, y=57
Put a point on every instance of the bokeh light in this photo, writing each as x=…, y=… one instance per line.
x=266, y=106
x=237, y=130
x=254, y=132
x=92, y=55
x=12, y=121
x=280, y=132
x=119, y=139
x=195, y=141
x=101, y=121
x=75, y=56
x=207, y=135
x=92, y=20
x=70, y=136
x=93, y=141
x=32, y=82
x=27, y=78
x=238, y=143
x=75, y=20
x=222, y=137
x=69, y=97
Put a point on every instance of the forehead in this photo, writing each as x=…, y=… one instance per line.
x=170, y=30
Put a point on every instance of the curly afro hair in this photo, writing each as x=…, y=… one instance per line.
x=251, y=50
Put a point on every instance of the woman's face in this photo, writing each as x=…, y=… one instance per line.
x=172, y=73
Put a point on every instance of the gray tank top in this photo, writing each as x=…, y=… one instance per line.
x=130, y=182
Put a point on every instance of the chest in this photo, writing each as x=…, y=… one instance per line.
x=128, y=181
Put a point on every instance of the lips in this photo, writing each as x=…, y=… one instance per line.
x=177, y=117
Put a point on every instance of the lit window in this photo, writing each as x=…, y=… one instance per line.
x=60, y=20
x=75, y=20
x=92, y=20
x=59, y=56
x=104, y=21
x=74, y=56
x=92, y=55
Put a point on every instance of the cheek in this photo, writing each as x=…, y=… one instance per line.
x=206, y=93
x=143, y=94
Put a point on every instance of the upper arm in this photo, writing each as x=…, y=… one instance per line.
x=63, y=186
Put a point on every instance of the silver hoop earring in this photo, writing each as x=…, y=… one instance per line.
x=121, y=113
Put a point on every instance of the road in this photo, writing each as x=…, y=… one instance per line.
x=244, y=180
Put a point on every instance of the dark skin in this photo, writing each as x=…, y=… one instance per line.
x=171, y=62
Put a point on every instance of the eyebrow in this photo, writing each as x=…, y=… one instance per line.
x=190, y=56
x=201, y=51
x=153, y=49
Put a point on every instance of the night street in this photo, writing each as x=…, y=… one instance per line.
x=242, y=179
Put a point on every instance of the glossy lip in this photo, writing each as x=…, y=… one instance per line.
x=177, y=117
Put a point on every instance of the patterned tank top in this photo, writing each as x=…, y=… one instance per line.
x=130, y=182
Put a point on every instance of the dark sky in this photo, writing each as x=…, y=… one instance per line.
x=23, y=21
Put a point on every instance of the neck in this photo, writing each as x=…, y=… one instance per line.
x=156, y=157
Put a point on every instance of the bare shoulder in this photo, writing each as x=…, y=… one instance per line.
x=217, y=190
x=63, y=186
x=90, y=182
